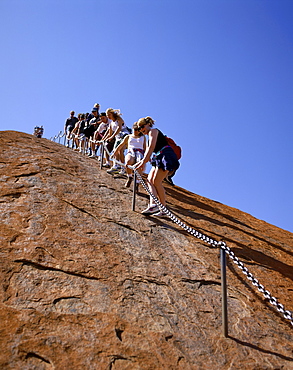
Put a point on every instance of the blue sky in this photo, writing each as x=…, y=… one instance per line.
x=216, y=75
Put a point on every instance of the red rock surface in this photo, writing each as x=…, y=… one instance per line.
x=89, y=284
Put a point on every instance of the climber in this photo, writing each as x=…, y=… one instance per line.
x=136, y=145
x=38, y=131
x=117, y=131
x=164, y=162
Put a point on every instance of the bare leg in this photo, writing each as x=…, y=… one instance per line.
x=94, y=146
x=122, y=157
x=129, y=161
x=76, y=141
x=155, y=178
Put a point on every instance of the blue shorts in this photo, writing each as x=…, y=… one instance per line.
x=165, y=159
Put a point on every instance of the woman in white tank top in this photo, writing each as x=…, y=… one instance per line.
x=115, y=132
x=136, y=145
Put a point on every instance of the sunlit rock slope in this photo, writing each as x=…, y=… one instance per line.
x=86, y=283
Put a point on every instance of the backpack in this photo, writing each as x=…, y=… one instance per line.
x=175, y=147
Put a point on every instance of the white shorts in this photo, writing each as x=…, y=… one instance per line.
x=137, y=155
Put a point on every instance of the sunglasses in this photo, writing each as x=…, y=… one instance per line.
x=142, y=126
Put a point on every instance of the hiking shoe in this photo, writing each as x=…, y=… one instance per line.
x=122, y=171
x=160, y=214
x=150, y=210
x=106, y=165
x=113, y=170
x=128, y=182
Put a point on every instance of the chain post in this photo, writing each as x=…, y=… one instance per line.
x=134, y=191
x=224, y=292
x=102, y=155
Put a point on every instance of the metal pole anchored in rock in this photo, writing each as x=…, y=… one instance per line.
x=134, y=190
x=102, y=154
x=224, y=292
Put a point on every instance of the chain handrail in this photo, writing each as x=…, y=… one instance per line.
x=221, y=244
x=58, y=136
x=288, y=315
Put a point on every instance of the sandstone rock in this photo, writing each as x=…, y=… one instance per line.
x=89, y=284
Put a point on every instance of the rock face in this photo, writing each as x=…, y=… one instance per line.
x=87, y=283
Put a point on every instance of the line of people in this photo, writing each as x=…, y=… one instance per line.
x=87, y=131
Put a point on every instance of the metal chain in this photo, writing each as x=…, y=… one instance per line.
x=273, y=300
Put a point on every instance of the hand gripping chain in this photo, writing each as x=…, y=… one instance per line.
x=273, y=300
